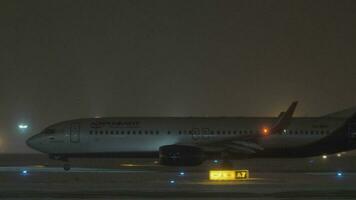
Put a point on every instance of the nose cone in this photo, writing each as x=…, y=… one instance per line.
x=34, y=142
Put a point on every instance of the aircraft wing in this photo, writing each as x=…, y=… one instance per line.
x=244, y=147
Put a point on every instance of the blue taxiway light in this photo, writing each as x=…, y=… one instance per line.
x=24, y=172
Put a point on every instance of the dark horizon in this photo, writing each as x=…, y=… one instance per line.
x=71, y=59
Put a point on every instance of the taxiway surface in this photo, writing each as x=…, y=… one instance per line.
x=138, y=181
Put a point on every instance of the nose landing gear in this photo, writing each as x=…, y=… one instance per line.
x=66, y=165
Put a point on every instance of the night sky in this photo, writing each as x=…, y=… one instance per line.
x=61, y=60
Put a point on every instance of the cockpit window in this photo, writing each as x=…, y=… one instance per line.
x=49, y=131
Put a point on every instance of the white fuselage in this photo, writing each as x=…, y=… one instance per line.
x=120, y=135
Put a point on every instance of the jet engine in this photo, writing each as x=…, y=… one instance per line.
x=180, y=155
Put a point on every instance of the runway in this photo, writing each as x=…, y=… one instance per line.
x=37, y=177
x=137, y=183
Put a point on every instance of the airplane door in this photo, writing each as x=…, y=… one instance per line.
x=195, y=134
x=74, y=133
x=352, y=130
x=200, y=134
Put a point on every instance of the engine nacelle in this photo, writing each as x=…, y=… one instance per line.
x=180, y=155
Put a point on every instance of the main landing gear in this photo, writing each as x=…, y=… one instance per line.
x=66, y=166
x=226, y=163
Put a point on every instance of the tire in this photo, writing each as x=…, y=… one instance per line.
x=66, y=167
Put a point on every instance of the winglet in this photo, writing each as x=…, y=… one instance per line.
x=284, y=119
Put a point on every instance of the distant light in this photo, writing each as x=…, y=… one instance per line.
x=22, y=126
x=216, y=161
x=339, y=174
x=265, y=131
x=181, y=173
x=24, y=172
x=285, y=131
x=325, y=156
x=128, y=165
x=338, y=155
x=172, y=181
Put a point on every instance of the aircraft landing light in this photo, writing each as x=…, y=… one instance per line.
x=228, y=175
x=325, y=157
x=339, y=174
x=181, y=173
x=172, y=181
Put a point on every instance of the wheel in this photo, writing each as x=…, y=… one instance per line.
x=66, y=167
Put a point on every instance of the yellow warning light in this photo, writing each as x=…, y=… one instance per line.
x=228, y=175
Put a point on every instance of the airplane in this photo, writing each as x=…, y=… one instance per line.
x=189, y=141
